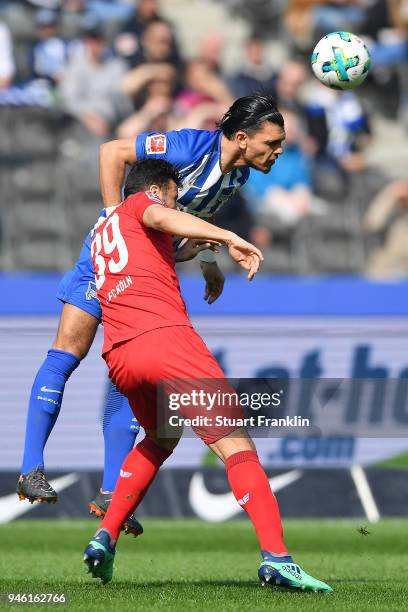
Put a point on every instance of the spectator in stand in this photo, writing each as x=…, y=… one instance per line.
x=156, y=113
x=255, y=73
x=7, y=67
x=286, y=194
x=156, y=44
x=290, y=86
x=154, y=63
x=48, y=54
x=205, y=95
x=129, y=42
x=387, y=216
x=308, y=20
x=335, y=122
x=298, y=21
x=335, y=15
x=344, y=127
x=154, y=116
x=202, y=85
x=91, y=87
x=71, y=18
x=289, y=82
x=210, y=50
x=386, y=25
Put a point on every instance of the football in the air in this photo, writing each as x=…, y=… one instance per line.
x=341, y=60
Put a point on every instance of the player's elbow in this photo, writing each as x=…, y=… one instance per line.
x=118, y=152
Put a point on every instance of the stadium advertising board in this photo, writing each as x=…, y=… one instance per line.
x=330, y=346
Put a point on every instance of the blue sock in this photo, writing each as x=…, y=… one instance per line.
x=120, y=429
x=44, y=405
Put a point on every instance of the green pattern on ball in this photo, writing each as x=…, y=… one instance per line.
x=340, y=64
x=346, y=36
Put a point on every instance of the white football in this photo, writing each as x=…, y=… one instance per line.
x=341, y=60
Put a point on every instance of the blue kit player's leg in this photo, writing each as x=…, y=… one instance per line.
x=78, y=324
x=79, y=321
x=120, y=429
x=44, y=405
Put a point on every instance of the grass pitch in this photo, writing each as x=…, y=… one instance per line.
x=190, y=565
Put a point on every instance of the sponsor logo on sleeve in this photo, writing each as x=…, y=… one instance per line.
x=156, y=144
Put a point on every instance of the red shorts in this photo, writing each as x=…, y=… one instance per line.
x=173, y=354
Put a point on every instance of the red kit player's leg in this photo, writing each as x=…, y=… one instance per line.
x=171, y=353
x=137, y=473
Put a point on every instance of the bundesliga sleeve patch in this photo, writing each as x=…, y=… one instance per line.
x=156, y=144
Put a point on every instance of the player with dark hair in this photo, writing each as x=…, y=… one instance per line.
x=248, y=114
x=212, y=165
x=143, y=313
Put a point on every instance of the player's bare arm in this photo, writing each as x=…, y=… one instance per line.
x=213, y=276
x=179, y=223
x=113, y=157
x=190, y=249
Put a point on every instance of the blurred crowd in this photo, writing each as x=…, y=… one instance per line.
x=116, y=69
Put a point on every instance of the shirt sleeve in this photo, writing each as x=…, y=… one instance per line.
x=138, y=203
x=180, y=148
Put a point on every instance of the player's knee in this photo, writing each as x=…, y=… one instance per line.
x=166, y=443
x=71, y=345
x=236, y=442
x=76, y=331
x=70, y=341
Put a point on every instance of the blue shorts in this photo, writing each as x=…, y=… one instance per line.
x=77, y=286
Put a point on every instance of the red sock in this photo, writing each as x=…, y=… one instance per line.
x=250, y=486
x=137, y=473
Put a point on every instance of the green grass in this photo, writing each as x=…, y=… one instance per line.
x=189, y=565
x=398, y=461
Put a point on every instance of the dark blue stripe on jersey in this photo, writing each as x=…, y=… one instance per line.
x=221, y=200
x=190, y=195
x=241, y=176
x=237, y=175
x=213, y=159
x=211, y=193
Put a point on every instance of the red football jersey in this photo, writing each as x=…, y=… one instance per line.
x=134, y=272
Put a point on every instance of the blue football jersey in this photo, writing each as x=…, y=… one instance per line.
x=196, y=156
x=86, y=247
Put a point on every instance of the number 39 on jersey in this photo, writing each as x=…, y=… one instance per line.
x=109, y=241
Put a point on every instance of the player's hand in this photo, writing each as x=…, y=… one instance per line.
x=245, y=254
x=191, y=248
x=214, y=280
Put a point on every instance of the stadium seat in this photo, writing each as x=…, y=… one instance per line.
x=334, y=250
x=35, y=228
x=35, y=180
x=33, y=217
x=36, y=132
x=82, y=217
x=41, y=253
x=7, y=121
